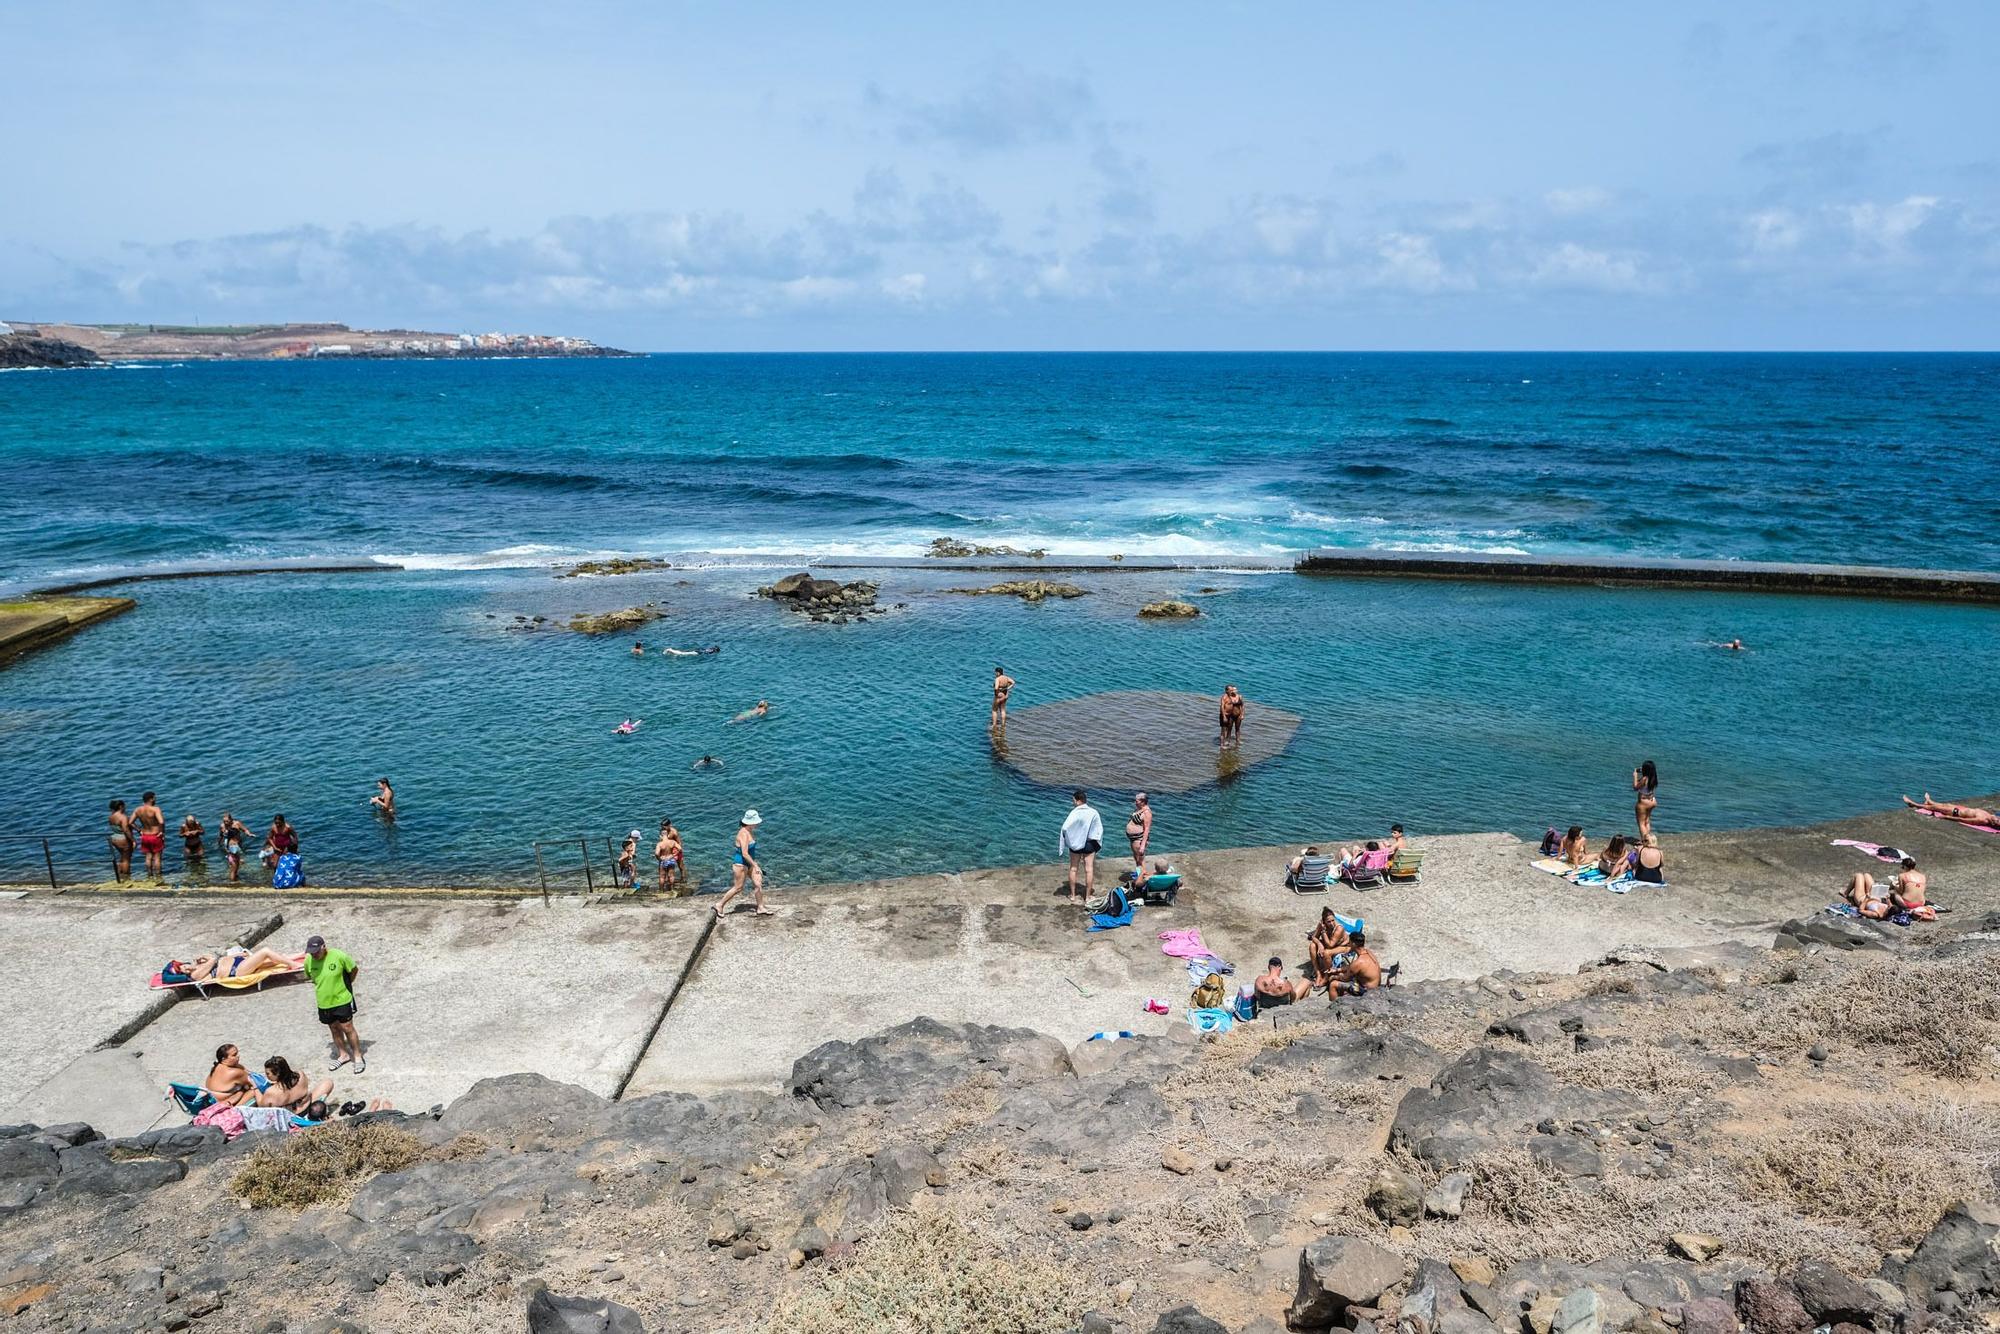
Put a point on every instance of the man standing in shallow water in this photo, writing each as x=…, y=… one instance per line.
x=151, y=823
x=1003, y=686
x=1230, y=717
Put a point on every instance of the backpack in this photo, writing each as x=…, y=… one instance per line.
x=1551, y=842
x=1210, y=995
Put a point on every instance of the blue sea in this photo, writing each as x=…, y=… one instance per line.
x=1446, y=706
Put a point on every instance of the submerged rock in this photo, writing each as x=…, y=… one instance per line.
x=612, y=622
x=1028, y=590
x=1169, y=610
x=617, y=565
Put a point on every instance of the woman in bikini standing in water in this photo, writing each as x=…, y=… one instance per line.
x=120, y=839
x=1646, y=787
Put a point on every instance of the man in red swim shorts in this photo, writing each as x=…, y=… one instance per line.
x=152, y=826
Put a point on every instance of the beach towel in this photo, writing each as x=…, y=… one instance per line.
x=1210, y=1021
x=1879, y=851
x=1982, y=828
x=1184, y=943
x=1553, y=865
x=1927, y=913
x=1202, y=967
x=290, y=873
x=1121, y=914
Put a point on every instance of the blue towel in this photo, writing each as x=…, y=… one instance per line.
x=1105, y=921
x=1210, y=1021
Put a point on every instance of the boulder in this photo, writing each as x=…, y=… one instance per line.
x=1493, y=1098
x=1396, y=1197
x=1169, y=610
x=1336, y=1273
x=614, y=622
x=1696, y=1246
x=917, y=1057
x=1770, y=1307
x=1708, y=1315
x=1831, y=1297
x=1960, y=1255
x=1842, y=933
x=520, y=1107
x=1581, y=1312
x=1186, y=1320
x=550, y=1314
x=1447, y=1198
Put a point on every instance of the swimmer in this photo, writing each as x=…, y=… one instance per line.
x=763, y=709
x=680, y=652
x=384, y=800
x=639, y=650
x=628, y=727
x=707, y=762
x=1734, y=646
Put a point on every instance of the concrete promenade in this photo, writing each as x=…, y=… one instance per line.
x=458, y=988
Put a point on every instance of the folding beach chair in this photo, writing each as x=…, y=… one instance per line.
x=1407, y=868
x=1362, y=875
x=190, y=1098
x=1311, y=875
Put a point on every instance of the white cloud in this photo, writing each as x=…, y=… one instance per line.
x=1573, y=266
x=1577, y=199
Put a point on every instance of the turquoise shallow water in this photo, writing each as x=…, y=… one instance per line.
x=1444, y=706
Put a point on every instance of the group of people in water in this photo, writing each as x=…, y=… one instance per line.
x=144, y=828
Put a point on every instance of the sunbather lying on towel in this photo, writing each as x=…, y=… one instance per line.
x=1899, y=893
x=236, y=962
x=1362, y=971
x=1948, y=810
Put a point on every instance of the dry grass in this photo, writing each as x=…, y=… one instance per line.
x=462, y=1149
x=930, y=1272
x=1942, y=1016
x=324, y=1165
x=1888, y=1170
x=960, y=1107
x=1657, y=1071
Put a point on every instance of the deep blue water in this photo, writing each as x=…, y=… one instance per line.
x=1445, y=706
x=1882, y=459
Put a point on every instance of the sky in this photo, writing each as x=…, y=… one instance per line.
x=757, y=176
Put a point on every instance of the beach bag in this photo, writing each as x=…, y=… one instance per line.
x=1212, y=994
x=290, y=873
x=1551, y=842
x=1246, y=1003
x=174, y=974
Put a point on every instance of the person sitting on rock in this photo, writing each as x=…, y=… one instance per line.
x=1328, y=947
x=1899, y=894
x=1274, y=988
x=1362, y=971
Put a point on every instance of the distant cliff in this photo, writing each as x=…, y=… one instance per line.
x=301, y=342
x=34, y=352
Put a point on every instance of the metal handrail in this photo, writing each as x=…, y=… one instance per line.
x=48, y=853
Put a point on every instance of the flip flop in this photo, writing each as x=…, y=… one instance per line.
x=765, y=912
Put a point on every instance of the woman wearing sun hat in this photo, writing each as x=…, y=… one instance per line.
x=745, y=864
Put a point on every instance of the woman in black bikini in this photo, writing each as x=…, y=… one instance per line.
x=228, y=1082
x=121, y=841
x=288, y=1088
x=1646, y=786
x=235, y=963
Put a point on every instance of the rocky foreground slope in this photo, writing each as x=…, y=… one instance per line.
x=1777, y=1141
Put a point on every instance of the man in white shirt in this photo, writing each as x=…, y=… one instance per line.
x=1082, y=836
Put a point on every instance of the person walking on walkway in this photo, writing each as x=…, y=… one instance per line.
x=1082, y=837
x=332, y=974
x=744, y=866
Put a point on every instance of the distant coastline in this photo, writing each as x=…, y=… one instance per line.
x=297, y=342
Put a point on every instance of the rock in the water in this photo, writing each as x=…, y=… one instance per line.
x=1960, y=1255
x=1028, y=590
x=34, y=352
x=951, y=548
x=823, y=599
x=1186, y=1320
x=1396, y=1197
x=1338, y=1272
x=612, y=622
x=1169, y=610
x=550, y=1314
x=616, y=565
x=1696, y=1246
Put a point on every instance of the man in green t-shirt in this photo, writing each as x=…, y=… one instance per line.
x=332, y=974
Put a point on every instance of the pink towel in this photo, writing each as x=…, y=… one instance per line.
x=1878, y=851
x=1184, y=944
x=1982, y=828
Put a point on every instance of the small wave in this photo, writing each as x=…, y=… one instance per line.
x=1450, y=548
x=527, y=556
